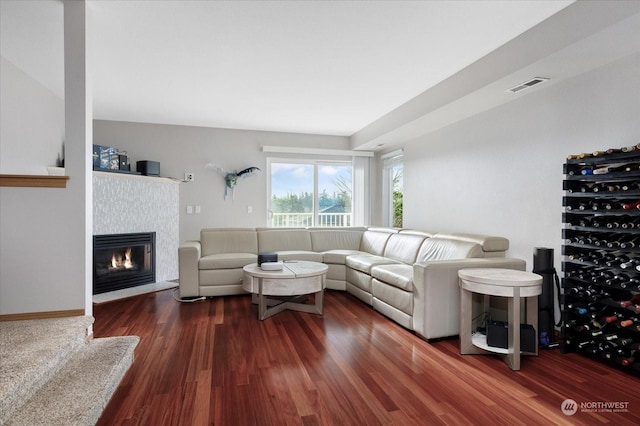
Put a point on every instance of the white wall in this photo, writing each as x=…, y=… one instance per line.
x=27, y=147
x=36, y=262
x=181, y=149
x=500, y=172
x=43, y=244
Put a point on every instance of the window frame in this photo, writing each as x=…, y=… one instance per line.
x=389, y=162
x=316, y=163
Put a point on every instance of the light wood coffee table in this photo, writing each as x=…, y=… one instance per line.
x=287, y=288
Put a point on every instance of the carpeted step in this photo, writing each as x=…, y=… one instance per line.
x=31, y=352
x=79, y=391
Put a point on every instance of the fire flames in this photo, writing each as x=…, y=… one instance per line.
x=118, y=262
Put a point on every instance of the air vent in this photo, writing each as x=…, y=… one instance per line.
x=528, y=84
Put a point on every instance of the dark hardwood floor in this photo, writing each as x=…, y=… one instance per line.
x=214, y=362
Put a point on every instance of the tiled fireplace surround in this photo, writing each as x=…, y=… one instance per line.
x=124, y=203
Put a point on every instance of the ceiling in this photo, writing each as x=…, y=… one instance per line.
x=345, y=68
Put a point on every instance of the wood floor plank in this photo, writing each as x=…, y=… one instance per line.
x=214, y=363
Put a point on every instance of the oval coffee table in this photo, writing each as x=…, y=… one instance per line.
x=288, y=287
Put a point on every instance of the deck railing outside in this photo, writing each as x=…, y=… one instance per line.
x=301, y=220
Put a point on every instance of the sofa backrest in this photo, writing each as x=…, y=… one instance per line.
x=404, y=247
x=283, y=239
x=374, y=240
x=492, y=246
x=437, y=248
x=228, y=240
x=425, y=234
x=324, y=239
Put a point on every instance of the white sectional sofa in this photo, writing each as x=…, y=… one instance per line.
x=409, y=276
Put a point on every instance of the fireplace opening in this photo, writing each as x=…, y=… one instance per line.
x=123, y=261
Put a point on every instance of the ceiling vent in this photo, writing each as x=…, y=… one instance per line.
x=528, y=84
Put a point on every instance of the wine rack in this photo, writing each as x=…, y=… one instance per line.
x=601, y=257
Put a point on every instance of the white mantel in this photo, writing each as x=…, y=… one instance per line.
x=127, y=203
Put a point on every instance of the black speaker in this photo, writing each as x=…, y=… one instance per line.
x=543, y=265
x=148, y=168
x=498, y=336
x=267, y=257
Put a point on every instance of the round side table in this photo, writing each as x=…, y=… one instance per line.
x=508, y=283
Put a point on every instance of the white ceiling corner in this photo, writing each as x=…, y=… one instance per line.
x=319, y=67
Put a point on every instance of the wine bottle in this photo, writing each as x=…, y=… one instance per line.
x=586, y=222
x=629, y=186
x=610, y=205
x=627, y=361
x=629, y=322
x=631, y=205
x=580, y=308
x=583, y=170
x=632, y=263
x=584, y=343
x=628, y=222
x=630, y=243
x=587, y=187
x=614, y=258
x=618, y=167
x=604, y=258
x=633, y=301
x=614, y=223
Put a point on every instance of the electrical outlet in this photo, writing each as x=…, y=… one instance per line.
x=189, y=177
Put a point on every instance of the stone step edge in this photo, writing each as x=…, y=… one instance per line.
x=78, y=393
x=70, y=335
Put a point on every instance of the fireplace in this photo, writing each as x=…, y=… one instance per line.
x=123, y=261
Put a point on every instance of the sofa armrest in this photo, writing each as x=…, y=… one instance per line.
x=188, y=258
x=436, y=296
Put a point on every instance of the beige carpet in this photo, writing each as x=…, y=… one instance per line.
x=51, y=375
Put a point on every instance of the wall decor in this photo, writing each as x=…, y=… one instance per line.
x=231, y=178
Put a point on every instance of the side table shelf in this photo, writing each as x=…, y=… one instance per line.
x=480, y=341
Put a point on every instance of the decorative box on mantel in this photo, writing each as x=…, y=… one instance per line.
x=124, y=203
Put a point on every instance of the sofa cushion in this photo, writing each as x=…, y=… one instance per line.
x=270, y=239
x=374, y=240
x=338, y=256
x=403, y=247
x=226, y=260
x=299, y=255
x=487, y=242
x=364, y=262
x=331, y=238
x=397, y=275
x=437, y=248
x=228, y=240
x=393, y=296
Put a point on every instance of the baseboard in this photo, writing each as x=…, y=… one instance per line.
x=42, y=315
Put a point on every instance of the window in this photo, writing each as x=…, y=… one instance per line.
x=392, y=173
x=310, y=193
